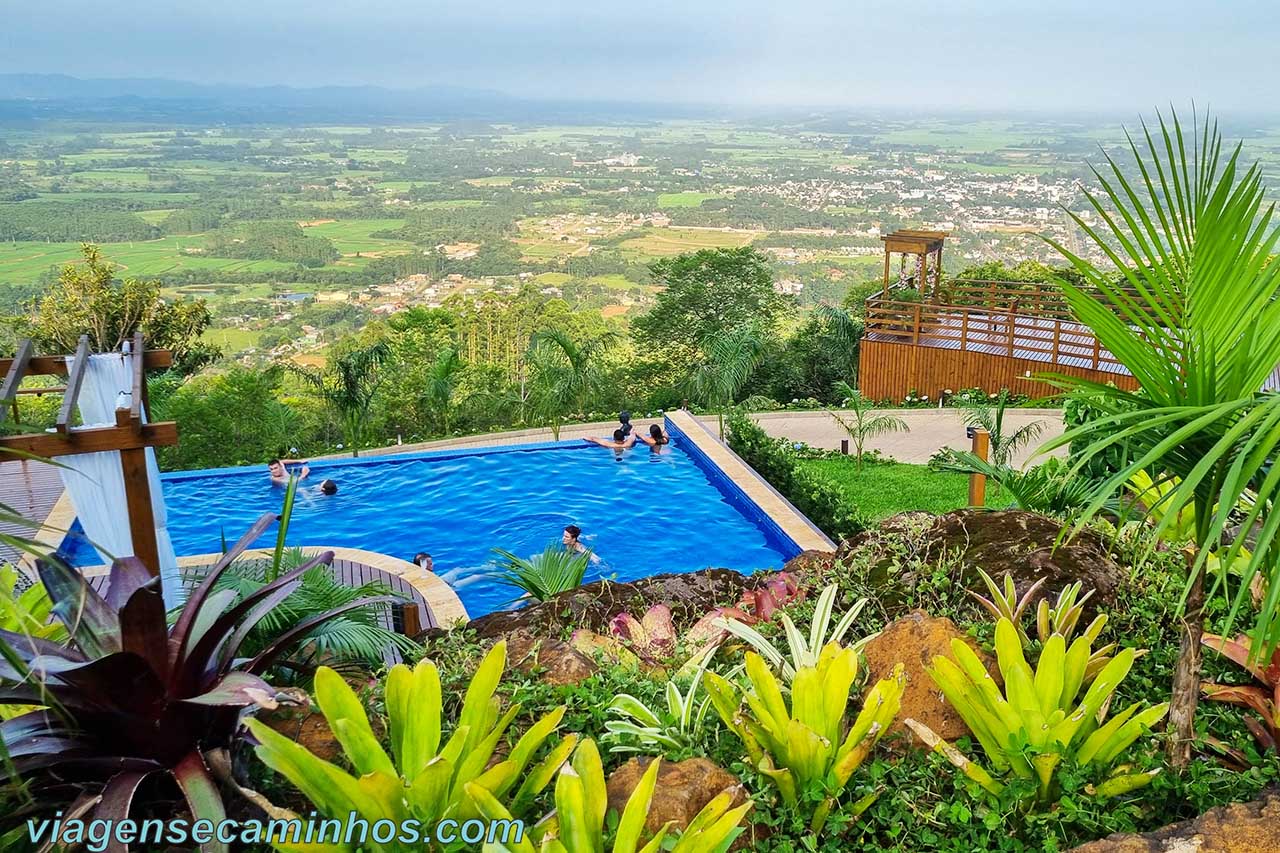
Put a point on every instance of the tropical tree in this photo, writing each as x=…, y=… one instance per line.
x=88, y=299
x=1004, y=443
x=728, y=360
x=440, y=383
x=706, y=293
x=1190, y=304
x=565, y=374
x=347, y=386
x=861, y=420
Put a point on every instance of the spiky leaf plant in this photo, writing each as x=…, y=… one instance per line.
x=132, y=700
x=427, y=777
x=1189, y=303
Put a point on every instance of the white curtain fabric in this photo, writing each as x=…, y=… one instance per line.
x=96, y=484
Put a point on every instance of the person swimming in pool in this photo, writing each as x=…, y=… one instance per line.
x=624, y=420
x=621, y=441
x=328, y=487
x=280, y=474
x=656, y=438
x=572, y=541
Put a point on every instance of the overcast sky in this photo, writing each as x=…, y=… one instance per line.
x=1114, y=55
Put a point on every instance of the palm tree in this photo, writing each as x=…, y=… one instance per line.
x=1003, y=444
x=347, y=385
x=565, y=374
x=861, y=420
x=1190, y=304
x=440, y=382
x=845, y=333
x=728, y=360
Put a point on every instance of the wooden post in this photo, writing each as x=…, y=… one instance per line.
x=886, y=270
x=924, y=272
x=978, y=482
x=844, y=446
x=137, y=491
x=410, y=620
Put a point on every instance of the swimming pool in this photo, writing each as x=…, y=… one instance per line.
x=642, y=513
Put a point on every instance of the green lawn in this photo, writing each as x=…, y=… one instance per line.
x=883, y=489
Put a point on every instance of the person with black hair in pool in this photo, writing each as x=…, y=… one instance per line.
x=621, y=441
x=572, y=541
x=656, y=439
x=624, y=420
x=328, y=487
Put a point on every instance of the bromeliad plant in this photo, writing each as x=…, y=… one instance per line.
x=1061, y=617
x=807, y=748
x=130, y=698
x=1264, y=699
x=802, y=652
x=1038, y=720
x=640, y=728
x=426, y=777
x=579, y=825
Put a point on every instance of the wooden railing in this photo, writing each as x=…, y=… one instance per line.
x=1011, y=330
x=1034, y=299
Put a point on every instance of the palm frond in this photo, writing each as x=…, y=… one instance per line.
x=1190, y=304
x=543, y=575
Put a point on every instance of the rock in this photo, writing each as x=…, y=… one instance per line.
x=914, y=641
x=809, y=564
x=1022, y=544
x=307, y=728
x=591, y=606
x=1252, y=827
x=683, y=788
x=558, y=662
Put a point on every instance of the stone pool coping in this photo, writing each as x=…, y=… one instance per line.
x=752, y=487
x=445, y=605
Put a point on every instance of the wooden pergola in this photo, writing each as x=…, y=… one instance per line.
x=920, y=245
x=130, y=434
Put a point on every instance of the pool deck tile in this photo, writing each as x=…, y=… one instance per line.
x=789, y=519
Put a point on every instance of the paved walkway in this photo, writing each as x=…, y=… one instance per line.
x=929, y=431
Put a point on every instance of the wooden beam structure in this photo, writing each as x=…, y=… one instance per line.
x=919, y=245
x=131, y=435
x=75, y=376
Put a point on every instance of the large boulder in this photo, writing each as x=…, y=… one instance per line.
x=683, y=788
x=1025, y=545
x=555, y=661
x=914, y=641
x=1237, y=828
x=690, y=596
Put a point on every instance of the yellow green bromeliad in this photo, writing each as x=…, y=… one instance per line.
x=1028, y=729
x=808, y=746
x=421, y=779
x=578, y=823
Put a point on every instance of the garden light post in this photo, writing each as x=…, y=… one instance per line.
x=981, y=444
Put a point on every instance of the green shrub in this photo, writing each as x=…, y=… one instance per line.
x=777, y=461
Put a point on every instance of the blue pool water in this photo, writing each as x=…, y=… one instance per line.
x=643, y=514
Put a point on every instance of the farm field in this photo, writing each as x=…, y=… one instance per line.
x=664, y=242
